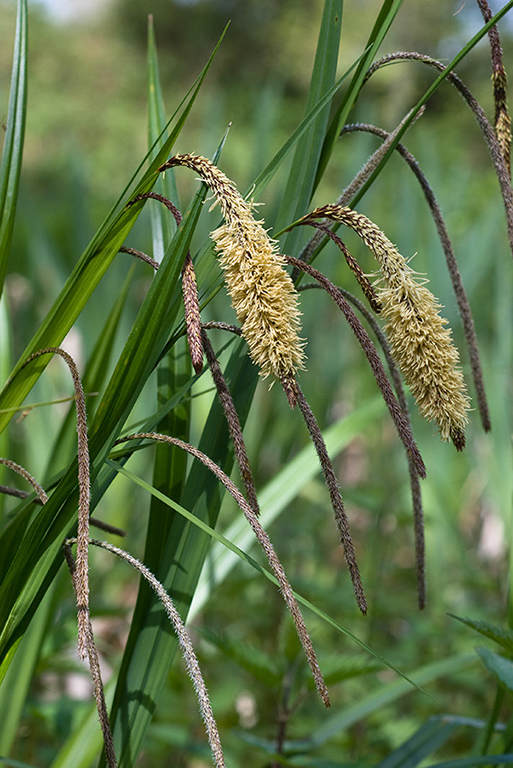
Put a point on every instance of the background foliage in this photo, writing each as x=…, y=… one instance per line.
x=86, y=132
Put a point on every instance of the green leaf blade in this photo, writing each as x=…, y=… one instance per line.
x=10, y=168
x=298, y=192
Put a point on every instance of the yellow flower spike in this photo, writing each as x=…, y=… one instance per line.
x=419, y=339
x=262, y=292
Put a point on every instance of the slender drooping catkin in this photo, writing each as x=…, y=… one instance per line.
x=420, y=341
x=262, y=293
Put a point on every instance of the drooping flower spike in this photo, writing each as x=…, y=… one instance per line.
x=189, y=286
x=262, y=292
x=396, y=412
x=190, y=658
x=452, y=266
x=328, y=471
x=418, y=336
x=84, y=482
x=248, y=245
x=94, y=662
x=234, y=425
x=41, y=496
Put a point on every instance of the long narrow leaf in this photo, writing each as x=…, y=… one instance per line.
x=386, y=695
x=93, y=381
x=82, y=746
x=429, y=737
x=383, y=22
x=298, y=192
x=10, y=167
x=16, y=685
x=183, y=554
x=270, y=170
x=92, y=265
x=163, y=225
x=169, y=474
x=153, y=325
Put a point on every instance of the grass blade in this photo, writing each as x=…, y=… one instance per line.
x=269, y=171
x=145, y=664
x=386, y=694
x=426, y=740
x=16, y=685
x=92, y=381
x=93, y=264
x=10, y=167
x=169, y=474
x=152, y=327
x=298, y=192
x=162, y=226
x=383, y=22
x=82, y=747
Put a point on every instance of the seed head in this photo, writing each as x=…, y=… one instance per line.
x=262, y=292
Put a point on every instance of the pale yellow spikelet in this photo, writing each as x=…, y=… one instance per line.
x=420, y=341
x=262, y=292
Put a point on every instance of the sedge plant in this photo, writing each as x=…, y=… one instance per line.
x=397, y=321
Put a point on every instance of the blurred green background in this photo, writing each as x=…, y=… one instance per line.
x=86, y=132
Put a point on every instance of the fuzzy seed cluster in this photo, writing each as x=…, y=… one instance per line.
x=262, y=292
x=420, y=341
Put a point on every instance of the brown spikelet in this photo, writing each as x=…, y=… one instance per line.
x=336, y=499
x=189, y=285
x=233, y=421
x=82, y=567
x=189, y=655
x=416, y=493
x=262, y=292
x=140, y=255
x=264, y=542
x=420, y=342
x=192, y=313
x=40, y=492
x=502, y=122
x=94, y=665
